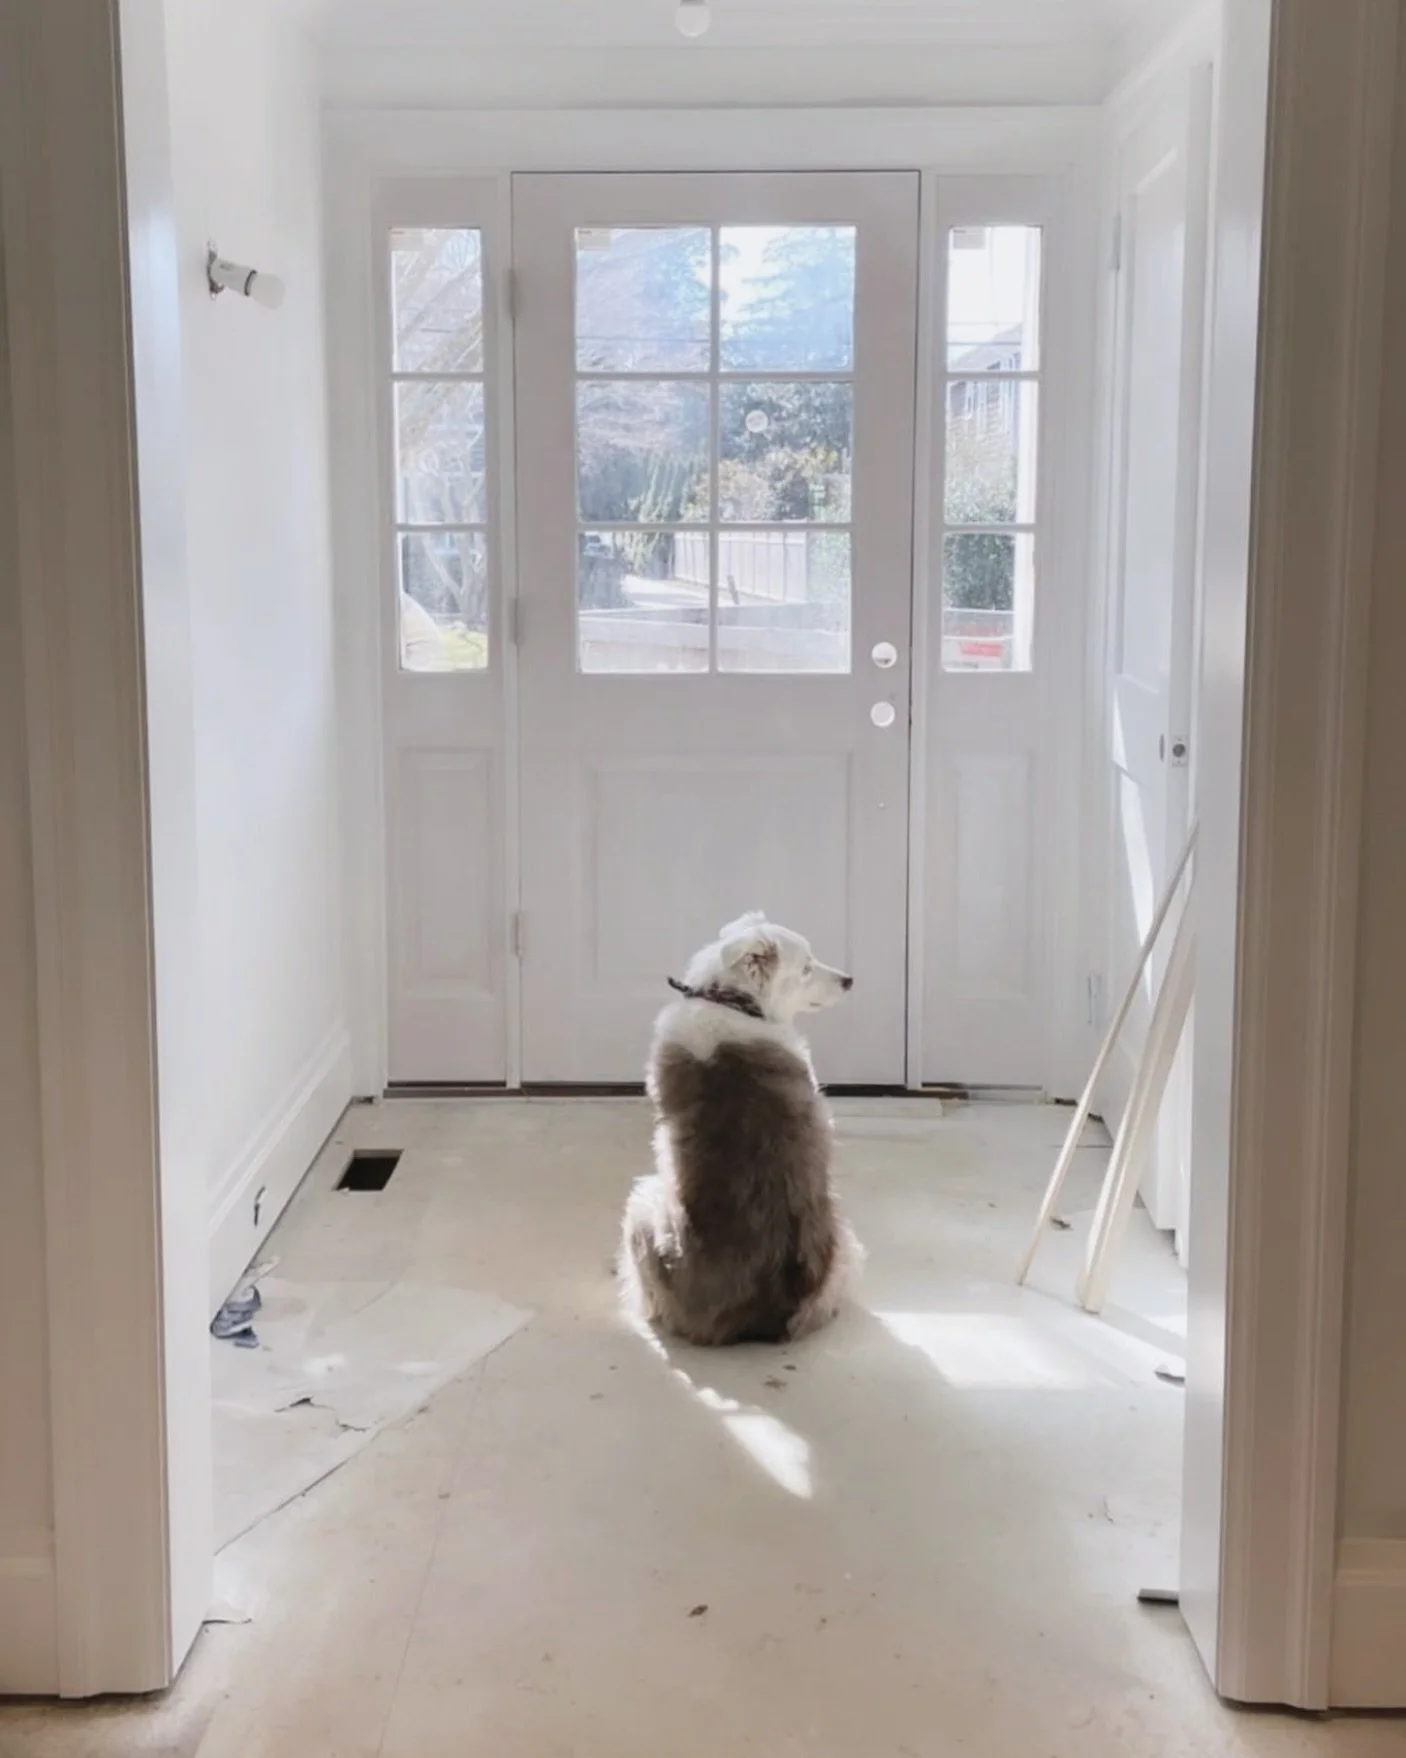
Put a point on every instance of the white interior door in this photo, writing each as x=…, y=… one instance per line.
x=715, y=406
x=1161, y=271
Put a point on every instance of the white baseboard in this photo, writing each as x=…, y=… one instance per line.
x=276, y=1162
x=29, y=1656
x=1368, y=1669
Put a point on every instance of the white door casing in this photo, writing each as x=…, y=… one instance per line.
x=657, y=807
x=1159, y=306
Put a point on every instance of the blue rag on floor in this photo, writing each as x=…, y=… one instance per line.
x=234, y=1322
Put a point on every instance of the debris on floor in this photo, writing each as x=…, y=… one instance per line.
x=234, y=1322
x=334, y=1364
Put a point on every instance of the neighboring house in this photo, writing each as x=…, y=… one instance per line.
x=990, y=405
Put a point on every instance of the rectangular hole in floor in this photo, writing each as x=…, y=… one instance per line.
x=369, y=1169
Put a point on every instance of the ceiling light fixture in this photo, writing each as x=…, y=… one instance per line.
x=693, y=18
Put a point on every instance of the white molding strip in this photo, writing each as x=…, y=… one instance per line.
x=1331, y=99
x=276, y=1161
x=65, y=219
x=1369, y=1624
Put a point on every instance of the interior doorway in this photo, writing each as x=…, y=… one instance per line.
x=118, y=1552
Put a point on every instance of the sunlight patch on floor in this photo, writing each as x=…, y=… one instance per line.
x=984, y=1351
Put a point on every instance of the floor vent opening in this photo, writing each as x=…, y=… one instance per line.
x=369, y=1169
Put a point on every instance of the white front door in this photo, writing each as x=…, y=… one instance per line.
x=715, y=381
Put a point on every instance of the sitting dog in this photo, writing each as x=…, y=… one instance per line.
x=736, y=1236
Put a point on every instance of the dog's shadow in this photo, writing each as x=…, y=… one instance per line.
x=808, y=1420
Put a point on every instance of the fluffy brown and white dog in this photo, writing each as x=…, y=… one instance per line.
x=736, y=1236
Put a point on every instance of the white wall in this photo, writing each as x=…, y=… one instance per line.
x=27, y=1649
x=855, y=75
x=1370, y=1641
x=246, y=164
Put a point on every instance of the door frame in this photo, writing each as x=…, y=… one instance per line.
x=372, y=156
x=1284, y=513
x=122, y=1574
x=1170, y=113
x=1283, y=694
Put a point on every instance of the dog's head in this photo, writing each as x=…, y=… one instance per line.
x=770, y=963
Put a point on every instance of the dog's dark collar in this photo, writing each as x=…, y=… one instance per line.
x=733, y=998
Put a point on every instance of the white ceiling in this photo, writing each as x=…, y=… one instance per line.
x=551, y=54
x=741, y=23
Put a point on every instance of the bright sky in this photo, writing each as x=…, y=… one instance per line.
x=994, y=280
x=994, y=286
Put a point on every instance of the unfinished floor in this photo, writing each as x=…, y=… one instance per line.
x=919, y=1534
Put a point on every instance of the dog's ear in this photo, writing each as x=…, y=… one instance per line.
x=756, y=956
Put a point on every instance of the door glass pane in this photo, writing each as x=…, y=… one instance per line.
x=642, y=601
x=439, y=430
x=786, y=451
x=787, y=297
x=988, y=600
x=993, y=299
x=644, y=298
x=437, y=299
x=784, y=601
x=991, y=432
x=642, y=450
x=650, y=445
x=443, y=601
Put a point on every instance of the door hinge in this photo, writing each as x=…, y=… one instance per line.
x=510, y=294
x=1094, y=998
x=514, y=621
x=517, y=937
x=1115, y=254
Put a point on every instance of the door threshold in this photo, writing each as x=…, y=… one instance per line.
x=956, y=1092
x=548, y=1089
